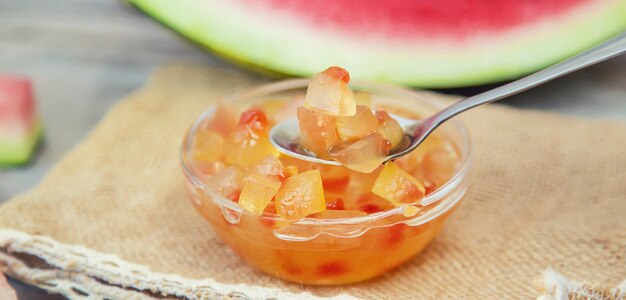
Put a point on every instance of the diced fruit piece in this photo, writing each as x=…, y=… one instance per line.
x=339, y=214
x=224, y=119
x=364, y=155
x=207, y=145
x=271, y=166
x=328, y=93
x=257, y=192
x=317, y=131
x=336, y=205
x=249, y=143
x=389, y=128
x=227, y=182
x=300, y=195
x=397, y=186
x=351, y=128
x=19, y=126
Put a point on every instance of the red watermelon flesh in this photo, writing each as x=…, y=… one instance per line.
x=424, y=43
x=402, y=19
x=19, y=127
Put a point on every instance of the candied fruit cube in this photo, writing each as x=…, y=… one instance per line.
x=397, y=186
x=224, y=119
x=249, y=143
x=271, y=166
x=317, y=131
x=227, y=182
x=328, y=93
x=257, y=192
x=351, y=128
x=364, y=155
x=300, y=195
x=207, y=145
x=389, y=128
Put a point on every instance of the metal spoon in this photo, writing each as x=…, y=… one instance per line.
x=285, y=135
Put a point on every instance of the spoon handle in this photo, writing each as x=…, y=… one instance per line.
x=595, y=55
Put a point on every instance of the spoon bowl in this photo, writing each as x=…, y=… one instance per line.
x=285, y=137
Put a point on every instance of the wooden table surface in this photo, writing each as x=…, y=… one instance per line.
x=84, y=55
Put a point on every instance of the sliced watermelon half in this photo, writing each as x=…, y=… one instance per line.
x=20, y=128
x=425, y=43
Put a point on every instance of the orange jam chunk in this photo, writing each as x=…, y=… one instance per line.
x=328, y=93
x=207, y=145
x=397, y=186
x=317, y=131
x=364, y=155
x=249, y=143
x=389, y=128
x=257, y=192
x=300, y=195
x=350, y=128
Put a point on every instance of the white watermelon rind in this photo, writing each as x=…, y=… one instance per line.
x=19, y=150
x=288, y=47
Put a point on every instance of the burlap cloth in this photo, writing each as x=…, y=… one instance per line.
x=111, y=219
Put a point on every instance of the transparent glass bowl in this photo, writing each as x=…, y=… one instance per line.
x=330, y=251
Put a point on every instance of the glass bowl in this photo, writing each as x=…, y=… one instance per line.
x=331, y=251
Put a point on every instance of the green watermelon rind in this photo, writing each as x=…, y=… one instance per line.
x=241, y=39
x=15, y=152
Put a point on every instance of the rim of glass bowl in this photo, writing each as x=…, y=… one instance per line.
x=375, y=88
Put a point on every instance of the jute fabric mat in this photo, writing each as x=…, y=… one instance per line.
x=111, y=221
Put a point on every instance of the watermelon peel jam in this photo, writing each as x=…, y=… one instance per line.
x=320, y=224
